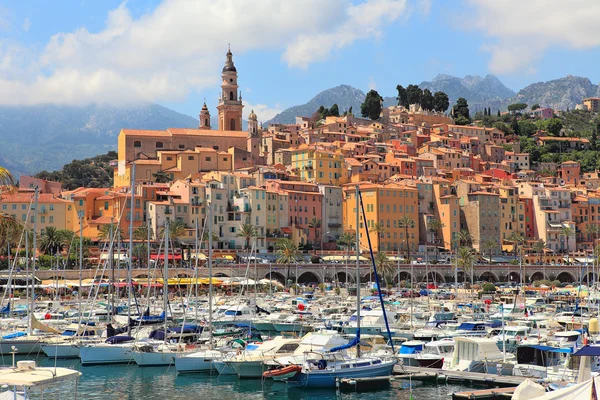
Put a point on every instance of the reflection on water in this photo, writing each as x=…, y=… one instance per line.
x=159, y=383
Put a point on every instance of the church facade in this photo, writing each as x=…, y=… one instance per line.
x=142, y=146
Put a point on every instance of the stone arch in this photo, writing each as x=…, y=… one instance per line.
x=403, y=276
x=462, y=277
x=433, y=276
x=342, y=277
x=276, y=276
x=566, y=276
x=537, y=276
x=138, y=276
x=488, y=276
x=367, y=277
x=183, y=275
x=308, y=277
x=232, y=124
x=221, y=275
x=589, y=277
x=514, y=277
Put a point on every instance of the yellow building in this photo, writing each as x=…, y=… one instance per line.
x=52, y=211
x=512, y=212
x=318, y=166
x=176, y=165
x=384, y=205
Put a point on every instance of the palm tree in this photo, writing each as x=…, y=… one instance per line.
x=465, y=261
x=385, y=268
x=6, y=178
x=406, y=222
x=51, y=241
x=538, y=248
x=435, y=226
x=105, y=230
x=379, y=229
x=490, y=245
x=287, y=253
x=347, y=240
x=247, y=231
x=141, y=233
x=10, y=231
x=464, y=238
x=566, y=232
x=215, y=238
x=517, y=239
x=315, y=223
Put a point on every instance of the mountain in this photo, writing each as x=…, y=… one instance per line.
x=45, y=137
x=487, y=91
x=344, y=96
x=559, y=94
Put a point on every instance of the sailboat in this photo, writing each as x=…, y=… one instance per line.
x=324, y=369
x=202, y=360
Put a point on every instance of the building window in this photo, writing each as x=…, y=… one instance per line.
x=80, y=203
x=51, y=207
x=137, y=143
x=159, y=145
x=51, y=219
x=14, y=206
x=232, y=125
x=191, y=158
x=43, y=219
x=106, y=205
x=208, y=159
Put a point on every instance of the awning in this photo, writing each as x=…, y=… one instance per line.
x=590, y=350
x=201, y=256
x=344, y=258
x=551, y=349
x=583, y=260
x=116, y=257
x=496, y=259
x=286, y=230
x=162, y=257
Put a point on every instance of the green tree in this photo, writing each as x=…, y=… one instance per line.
x=161, y=177
x=247, y=231
x=464, y=238
x=427, y=101
x=464, y=261
x=539, y=247
x=498, y=113
x=380, y=230
x=414, y=94
x=595, y=133
x=490, y=245
x=405, y=222
x=517, y=239
x=315, y=224
x=385, y=269
x=334, y=111
x=6, y=178
x=527, y=127
x=516, y=128
x=566, y=232
x=440, y=102
x=104, y=231
x=516, y=107
x=435, y=226
x=552, y=125
x=371, y=108
x=347, y=240
x=140, y=233
x=461, y=109
x=10, y=231
x=287, y=251
x=51, y=242
x=535, y=106
x=402, y=97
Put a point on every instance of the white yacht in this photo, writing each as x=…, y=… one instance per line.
x=250, y=364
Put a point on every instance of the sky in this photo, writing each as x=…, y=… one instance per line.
x=171, y=52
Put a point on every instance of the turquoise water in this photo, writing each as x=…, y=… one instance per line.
x=158, y=383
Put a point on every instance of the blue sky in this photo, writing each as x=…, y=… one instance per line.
x=171, y=52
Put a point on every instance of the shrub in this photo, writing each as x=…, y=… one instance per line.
x=489, y=287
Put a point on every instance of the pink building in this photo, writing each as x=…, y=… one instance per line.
x=44, y=186
x=542, y=113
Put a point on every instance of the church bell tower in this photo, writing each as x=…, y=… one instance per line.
x=230, y=104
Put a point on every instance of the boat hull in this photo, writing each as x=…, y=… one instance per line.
x=154, y=359
x=25, y=346
x=196, y=363
x=223, y=368
x=65, y=350
x=248, y=369
x=328, y=378
x=106, y=354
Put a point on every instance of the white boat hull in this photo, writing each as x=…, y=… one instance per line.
x=248, y=369
x=197, y=362
x=24, y=346
x=62, y=350
x=223, y=368
x=154, y=359
x=106, y=354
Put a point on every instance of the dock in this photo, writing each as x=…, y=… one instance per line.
x=435, y=374
x=485, y=394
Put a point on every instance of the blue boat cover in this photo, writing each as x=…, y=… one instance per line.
x=348, y=345
x=588, y=351
x=551, y=349
x=410, y=349
x=14, y=335
x=119, y=339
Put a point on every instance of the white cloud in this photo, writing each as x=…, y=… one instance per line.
x=521, y=31
x=5, y=18
x=26, y=25
x=180, y=46
x=263, y=112
x=372, y=84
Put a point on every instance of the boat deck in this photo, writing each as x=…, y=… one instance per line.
x=425, y=374
x=485, y=394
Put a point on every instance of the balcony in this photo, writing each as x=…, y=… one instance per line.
x=168, y=211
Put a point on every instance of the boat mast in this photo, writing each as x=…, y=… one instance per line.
x=210, y=277
x=80, y=263
x=356, y=194
x=130, y=266
x=111, y=260
x=195, y=273
x=33, y=262
x=166, y=276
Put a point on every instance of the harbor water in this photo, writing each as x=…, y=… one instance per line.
x=158, y=383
